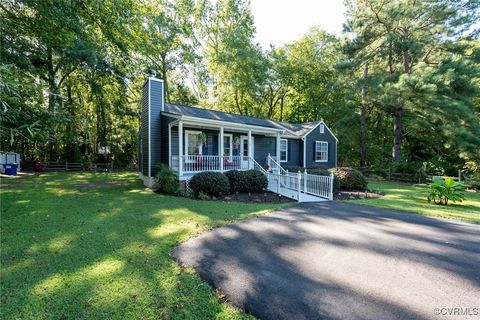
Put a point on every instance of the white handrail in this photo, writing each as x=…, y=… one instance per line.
x=275, y=166
x=256, y=166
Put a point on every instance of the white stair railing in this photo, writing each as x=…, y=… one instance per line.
x=253, y=164
x=319, y=186
x=275, y=166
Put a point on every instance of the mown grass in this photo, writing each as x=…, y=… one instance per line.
x=413, y=198
x=97, y=246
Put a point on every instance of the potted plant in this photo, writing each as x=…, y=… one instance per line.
x=236, y=142
x=201, y=139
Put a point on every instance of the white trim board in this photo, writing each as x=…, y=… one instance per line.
x=230, y=135
x=315, y=154
x=185, y=133
x=316, y=126
x=225, y=124
x=149, y=128
x=286, y=150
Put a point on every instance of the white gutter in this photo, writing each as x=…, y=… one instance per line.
x=226, y=124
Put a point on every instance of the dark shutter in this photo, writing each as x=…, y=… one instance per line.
x=314, y=143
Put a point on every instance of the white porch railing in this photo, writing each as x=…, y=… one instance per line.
x=199, y=163
x=298, y=186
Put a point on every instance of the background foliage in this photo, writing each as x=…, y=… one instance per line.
x=401, y=84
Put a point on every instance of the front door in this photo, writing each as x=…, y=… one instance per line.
x=244, y=152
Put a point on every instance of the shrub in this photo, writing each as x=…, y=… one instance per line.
x=256, y=181
x=167, y=181
x=317, y=166
x=210, y=183
x=350, y=179
x=246, y=181
x=406, y=167
x=441, y=191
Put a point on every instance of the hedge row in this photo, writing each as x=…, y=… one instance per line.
x=217, y=184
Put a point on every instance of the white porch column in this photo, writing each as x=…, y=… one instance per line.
x=250, y=165
x=278, y=148
x=170, y=145
x=220, y=151
x=180, y=148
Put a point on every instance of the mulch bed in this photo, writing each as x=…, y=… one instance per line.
x=264, y=197
x=351, y=195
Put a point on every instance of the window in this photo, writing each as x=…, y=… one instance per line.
x=321, y=151
x=193, y=145
x=322, y=128
x=283, y=150
x=227, y=145
x=245, y=147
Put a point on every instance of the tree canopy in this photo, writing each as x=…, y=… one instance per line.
x=400, y=85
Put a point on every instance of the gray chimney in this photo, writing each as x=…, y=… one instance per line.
x=150, y=130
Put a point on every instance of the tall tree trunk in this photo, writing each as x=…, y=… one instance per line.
x=53, y=93
x=281, y=107
x=166, y=92
x=363, y=119
x=398, y=124
x=397, y=131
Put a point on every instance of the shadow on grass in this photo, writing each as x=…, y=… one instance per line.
x=72, y=253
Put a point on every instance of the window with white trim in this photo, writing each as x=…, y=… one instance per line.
x=283, y=150
x=322, y=128
x=321, y=151
x=193, y=145
x=227, y=145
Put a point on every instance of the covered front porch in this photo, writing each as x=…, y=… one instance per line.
x=197, y=145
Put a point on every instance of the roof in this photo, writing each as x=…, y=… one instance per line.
x=297, y=130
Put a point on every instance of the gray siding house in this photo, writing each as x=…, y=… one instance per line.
x=191, y=139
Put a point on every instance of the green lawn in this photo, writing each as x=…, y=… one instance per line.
x=76, y=247
x=407, y=197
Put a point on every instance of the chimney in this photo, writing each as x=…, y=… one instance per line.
x=150, y=130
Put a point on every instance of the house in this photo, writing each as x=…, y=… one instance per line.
x=190, y=139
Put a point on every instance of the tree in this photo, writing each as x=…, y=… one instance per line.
x=237, y=67
x=409, y=37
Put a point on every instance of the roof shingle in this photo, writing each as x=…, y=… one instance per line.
x=298, y=129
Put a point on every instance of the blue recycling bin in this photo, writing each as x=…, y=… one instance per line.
x=11, y=169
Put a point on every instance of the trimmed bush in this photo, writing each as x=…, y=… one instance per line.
x=167, y=180
x=235, y=180
x=246, y=181
x=212, y=184
x=350, y=179
x=256, y=181
x=310, y=168
x=317, y=166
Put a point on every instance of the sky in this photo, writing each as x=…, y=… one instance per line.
x=284, y=21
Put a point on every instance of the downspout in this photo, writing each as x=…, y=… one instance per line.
x=304, y=151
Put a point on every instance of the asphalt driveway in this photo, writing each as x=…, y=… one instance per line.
x=335, y=260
